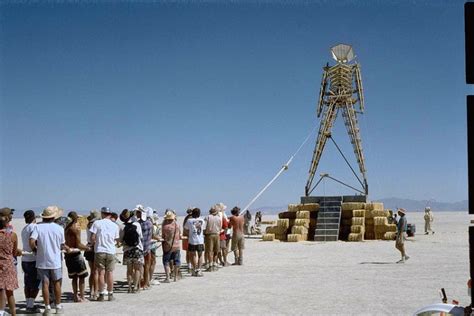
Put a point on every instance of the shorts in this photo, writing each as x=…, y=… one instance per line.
x=238, y=242
x=76, y=266
x=30, y=275
x=174, y=256
x=212, y=242
x=133, y=255
x=105, y=261
x=223, y=244
x=185, y=244
x=196, y=248
x=50, y=274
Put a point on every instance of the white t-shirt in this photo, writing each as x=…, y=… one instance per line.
x=49, y=238
x=140, y=237
x=25, y=239
x=196, y=227
x=106, y=232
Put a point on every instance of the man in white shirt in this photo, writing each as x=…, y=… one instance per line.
x=104, y=235
x=28, y=262
x=195, y=227
x=47, y=240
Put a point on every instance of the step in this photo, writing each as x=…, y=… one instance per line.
x=335, y=208
x=328, y=220
x=327, y=226
x=326, y=232
x=328, y=215
x=325, y=238
x=330, y=203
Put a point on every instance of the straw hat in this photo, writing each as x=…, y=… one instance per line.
x=51, y=212
x=402, y=211
x=170, y=214
x=93, y=216
x=5, y=211
x=213, y=210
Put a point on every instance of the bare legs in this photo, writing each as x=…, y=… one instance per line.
x=11, y=301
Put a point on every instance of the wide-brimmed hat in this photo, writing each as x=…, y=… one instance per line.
x=94, y=215
x=220, y=207
x=170, y=214
x=5, y=211
x=149, y=212
x=402, y=210
x=125, y=215
x=51, y=212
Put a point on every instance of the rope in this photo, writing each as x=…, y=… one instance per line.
x=282, y=169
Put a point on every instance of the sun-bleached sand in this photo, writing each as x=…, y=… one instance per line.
x=334, y=278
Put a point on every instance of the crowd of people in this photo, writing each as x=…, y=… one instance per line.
x=206, y=240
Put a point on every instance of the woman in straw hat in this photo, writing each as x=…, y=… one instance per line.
x=8, y=249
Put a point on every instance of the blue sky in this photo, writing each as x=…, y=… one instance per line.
x=176, y=104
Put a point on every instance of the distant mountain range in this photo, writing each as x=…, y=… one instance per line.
x=393, y=203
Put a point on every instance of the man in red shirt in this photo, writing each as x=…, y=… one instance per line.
x=222, y=255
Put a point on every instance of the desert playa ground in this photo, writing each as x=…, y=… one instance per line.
x=334, y=278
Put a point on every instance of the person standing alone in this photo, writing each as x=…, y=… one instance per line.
x=401, y=235
x=428, y=220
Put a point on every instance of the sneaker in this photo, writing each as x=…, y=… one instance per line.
x=111, y=298
x=100, y=298
x=155, y=282
x=209, y=269
x=199, y=273
x=59, y=310
x=406, y=257
x=47, y=311
x=401, y=261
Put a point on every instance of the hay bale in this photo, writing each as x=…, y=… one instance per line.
x=374, y=206
x=357, y=229
x=302, y=214
x=389, y=236
x=82, y=222
x=355, y=237
x=293, y=207
x=380, y=221
x=358, y=213
x=310, y=207
x=358, y=221
x=268, y=237
x=275, y=230
x=369, y=214
x=271, y=223
x=300, y=230
x=280, y=237
x=283, y=223
x=369, y=235
x=379, y=213
x=302, y=222
x=289, y=215
x=294, y=237
x=391, y=228
x=350, y=206
x=369, y=221
x=380, y=229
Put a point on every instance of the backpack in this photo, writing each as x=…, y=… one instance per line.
x=130, y=235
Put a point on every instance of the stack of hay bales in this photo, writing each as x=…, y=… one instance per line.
x=82, y=221
x=383, y=230
x=294, y=225
x=300, y=226
x=358, y=226
x=279, y=231
x=346, y=218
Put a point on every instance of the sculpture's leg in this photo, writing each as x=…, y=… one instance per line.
x=324, y=131
x=350, y=120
